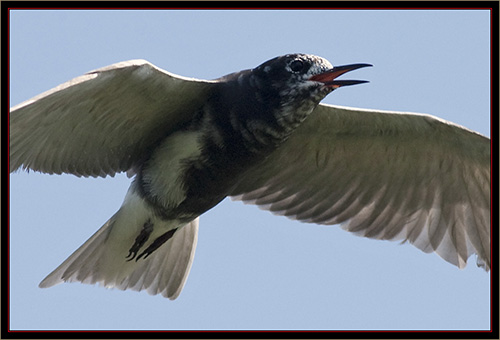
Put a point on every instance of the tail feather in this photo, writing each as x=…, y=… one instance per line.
x=103, y=258
x=166, y=270
x=79, y=266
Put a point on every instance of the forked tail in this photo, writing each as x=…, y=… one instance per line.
x=133, y=250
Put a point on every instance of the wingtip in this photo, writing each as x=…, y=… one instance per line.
x=49, y=282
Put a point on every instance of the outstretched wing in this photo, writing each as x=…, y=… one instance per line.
x=383, y=175
x=102, y=122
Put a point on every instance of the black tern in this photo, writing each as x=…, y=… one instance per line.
x=260, y=136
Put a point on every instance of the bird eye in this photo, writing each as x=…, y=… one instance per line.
x=296, y=65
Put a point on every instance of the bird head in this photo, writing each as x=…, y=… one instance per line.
x=301, y=76
x=296, y=83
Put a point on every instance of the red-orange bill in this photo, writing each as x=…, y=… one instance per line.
x=328, y=77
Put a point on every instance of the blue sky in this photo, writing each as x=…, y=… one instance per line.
x=252, y=270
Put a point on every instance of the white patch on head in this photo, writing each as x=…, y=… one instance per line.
x=300, y=81
x=292, y=115
x=318, y=65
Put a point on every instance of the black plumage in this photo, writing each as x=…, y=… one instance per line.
x=258, y=135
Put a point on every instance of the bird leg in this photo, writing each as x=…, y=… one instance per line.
x=156, y=244
x=143, y=236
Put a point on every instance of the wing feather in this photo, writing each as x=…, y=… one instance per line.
x=383, y=175
x=104, y=121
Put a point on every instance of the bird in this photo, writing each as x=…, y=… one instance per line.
x=260, y=136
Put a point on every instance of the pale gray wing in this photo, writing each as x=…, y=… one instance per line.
x=102, y=122
x=383, y=175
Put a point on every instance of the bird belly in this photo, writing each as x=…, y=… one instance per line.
x=162, y=179
x=194, y=169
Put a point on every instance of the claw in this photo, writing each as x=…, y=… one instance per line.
x=156, y=244
x=143, y=236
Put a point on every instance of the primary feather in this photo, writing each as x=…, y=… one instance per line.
x=384, y=175
x=259, y=136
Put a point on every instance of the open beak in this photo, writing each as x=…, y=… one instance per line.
x=328, y=77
